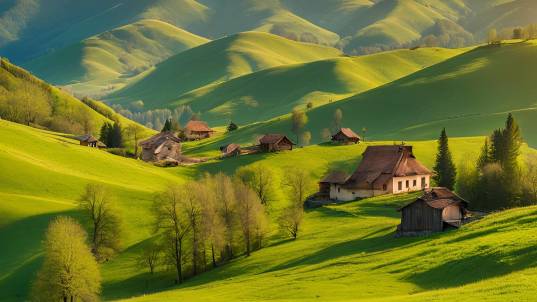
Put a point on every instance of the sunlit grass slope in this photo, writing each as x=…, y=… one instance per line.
x=43, y=175
x=215, y=62
x=110, y=60
x=269, y=93
x=348, y=252
x=469, y=94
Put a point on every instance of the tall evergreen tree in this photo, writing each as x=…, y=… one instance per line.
x=167, y=126
x=485, y=157
x=512, y=140
x=105, y=133
x=445, y=170
x=116, y=136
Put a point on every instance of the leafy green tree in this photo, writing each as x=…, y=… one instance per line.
x=299, y=120
x=69, y=271
x=232, y=127
x=105, y=222
x=445, y=170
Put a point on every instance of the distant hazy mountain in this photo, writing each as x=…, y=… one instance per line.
x=30, y=28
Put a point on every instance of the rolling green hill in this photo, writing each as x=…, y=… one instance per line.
x=103, y=63
x=469, y=94
x=217, y=61
x=43, y=175
x=31, y=28
x=273, y=92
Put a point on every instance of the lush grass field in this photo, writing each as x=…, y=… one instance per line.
x=469, y=94
x=109, y=61
x=217, y=61
x=273, y=92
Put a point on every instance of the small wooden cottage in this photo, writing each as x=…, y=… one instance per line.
x=196, y=130
x=90, y=141
x=275, y=142
x=391, y=169
x=231, y=150
x=162, y=146
x=437, y=210
x=346, y=136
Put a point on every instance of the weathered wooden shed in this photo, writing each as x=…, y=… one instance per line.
x=438, y=209
x=164, y=145
x=275, y=142
x=230, y=150
x=90, y=141
x=346, y=136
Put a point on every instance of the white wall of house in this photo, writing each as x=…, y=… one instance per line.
x=410, y=183
x=337, y=192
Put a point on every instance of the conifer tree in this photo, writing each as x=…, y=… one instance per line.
x=167, y=126
x=444, y=168
x=485, y=157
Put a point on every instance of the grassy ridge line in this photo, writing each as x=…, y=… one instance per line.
x=113, y=59
x=217, y=61
x=467, y=94
x=273, y=92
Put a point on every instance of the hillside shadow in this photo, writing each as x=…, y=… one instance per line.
x=21, y=253
x=374, y=242
x=475, y=268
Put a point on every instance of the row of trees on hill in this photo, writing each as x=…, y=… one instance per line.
x=498, y=179
x=156, y=118
x=197, y=226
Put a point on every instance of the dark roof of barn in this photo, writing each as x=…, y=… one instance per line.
x=198, y=126
x=87, y=138
x=381, y=163
x=348, y=133
x=157, y=139
x=440, y=198
x=336, y=177
x=230, y=148
x=273, y=139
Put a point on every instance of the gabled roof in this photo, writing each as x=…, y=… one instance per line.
x=230, y=148
x=87, y=138
x=336, y=177
x=381, y=163
x=157, y=139
x=440, y=198
x=273, y=139
x=348, y=133
x=198, y=126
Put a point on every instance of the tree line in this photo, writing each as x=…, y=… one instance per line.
x=197, y=226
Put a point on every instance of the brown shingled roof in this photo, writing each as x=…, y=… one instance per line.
x=381, y=163
x=198, y=126
x=230, y=148
x=440, y=198
x=349, y=133
x=336, y=177
x=272, y=138
x=159, y=138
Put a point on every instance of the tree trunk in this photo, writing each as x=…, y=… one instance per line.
x=213, y=256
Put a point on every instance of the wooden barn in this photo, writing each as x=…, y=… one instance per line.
x=391, y=169
x=196, y=130
x=231, y=150
x=90, y=141
x=275, y=142
x=437, y=210
x=162, y=146
x=346, y=136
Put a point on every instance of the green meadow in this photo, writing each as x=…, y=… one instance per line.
x=345, y=252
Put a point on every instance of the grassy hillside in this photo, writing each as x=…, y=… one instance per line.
x=215, y=62
x=45, y=173
x=273, y=92
x=20, y=92
x=106, y=62
x=43, y=176
x=469, y=94
x=348, y=253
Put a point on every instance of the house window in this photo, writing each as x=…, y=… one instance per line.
x=414, y=183
x=400, y=185
x=384, y=187
x=423, y=183
x=407, y=184
x=353, y=193
x=338, y=190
